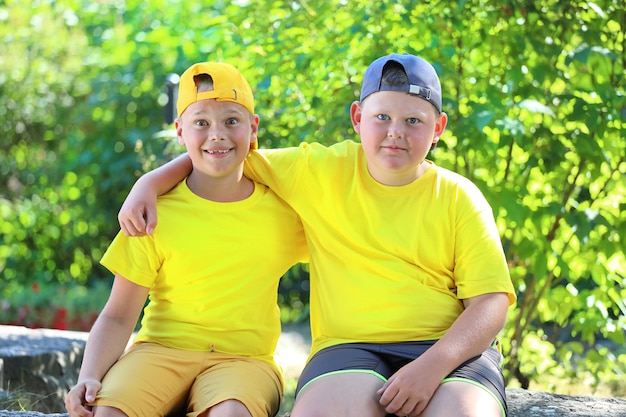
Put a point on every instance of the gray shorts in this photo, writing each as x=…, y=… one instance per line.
x=385, y=359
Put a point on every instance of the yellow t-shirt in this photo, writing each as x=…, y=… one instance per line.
x=388, y=264
x=213, y=271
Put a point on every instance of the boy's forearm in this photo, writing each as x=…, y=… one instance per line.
x=472, y=332
x=106, y=343
x=165, y=177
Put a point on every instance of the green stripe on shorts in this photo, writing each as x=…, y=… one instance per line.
x=346, y=371
x=481, y=386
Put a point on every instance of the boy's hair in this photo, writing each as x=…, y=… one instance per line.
x=420, y=78
x=203, y=82
x=394, y=75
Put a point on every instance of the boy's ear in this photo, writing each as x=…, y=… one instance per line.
x=254, y=125
x=440, y=126
x=178, y=125
x=355, y=116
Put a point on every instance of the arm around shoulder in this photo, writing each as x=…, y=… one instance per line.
x=138, y=215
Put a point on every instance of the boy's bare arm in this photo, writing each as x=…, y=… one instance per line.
x=137, y=216
x=107, y=340
x=472, y=332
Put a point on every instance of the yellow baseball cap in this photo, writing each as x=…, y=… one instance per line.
x=228, y=85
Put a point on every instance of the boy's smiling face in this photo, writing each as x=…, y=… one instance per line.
x=397, y=131
x=217, y=136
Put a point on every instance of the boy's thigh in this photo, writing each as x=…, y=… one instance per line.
x=342, y=380
x=345, y=358
x=150, y=380
x=458, y=398
x=254, y=383
x=345, y=393
x=474, y=389
x=482, y=376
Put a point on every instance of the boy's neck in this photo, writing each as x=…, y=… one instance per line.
x=398, y=179
x=222, y=190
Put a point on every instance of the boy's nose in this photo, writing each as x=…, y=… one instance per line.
x=216, y=133
x=394, y=132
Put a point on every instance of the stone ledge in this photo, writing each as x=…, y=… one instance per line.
x=41, y=365
x=5, y=413
x=523, y=403
x=46, y=362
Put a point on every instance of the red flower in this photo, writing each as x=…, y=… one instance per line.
x=60, y=321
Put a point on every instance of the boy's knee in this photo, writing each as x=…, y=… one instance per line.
x=228, y=408
x=105, y=411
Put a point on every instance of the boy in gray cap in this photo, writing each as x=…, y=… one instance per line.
x=409, y=282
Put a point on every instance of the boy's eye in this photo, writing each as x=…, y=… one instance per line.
x=232, y=121
x=412, y=120
x=201, y=122
x=383, y=117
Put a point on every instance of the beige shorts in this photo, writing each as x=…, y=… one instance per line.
x=154, y=380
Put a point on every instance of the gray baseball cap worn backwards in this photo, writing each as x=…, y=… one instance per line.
x=423, y=79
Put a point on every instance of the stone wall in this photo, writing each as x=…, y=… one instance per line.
x=39, y=366
x=524, y=403
x=44, y=363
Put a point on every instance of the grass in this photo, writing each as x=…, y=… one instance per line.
x=288, y=399
x=20, y=399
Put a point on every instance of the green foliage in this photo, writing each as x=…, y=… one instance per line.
x=534, y=91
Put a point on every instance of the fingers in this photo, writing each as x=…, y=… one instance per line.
x=80, y=411
x=395, y=401
x=91, y=392
x=402, y=406
x=76, y=401
x=75, y=406
x=132, y=223
x=151, y=219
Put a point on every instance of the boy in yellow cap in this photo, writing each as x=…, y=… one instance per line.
x=208, y=334
x=409, y=282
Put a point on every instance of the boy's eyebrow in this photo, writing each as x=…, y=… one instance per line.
x=407, y=112
x=230, y=111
